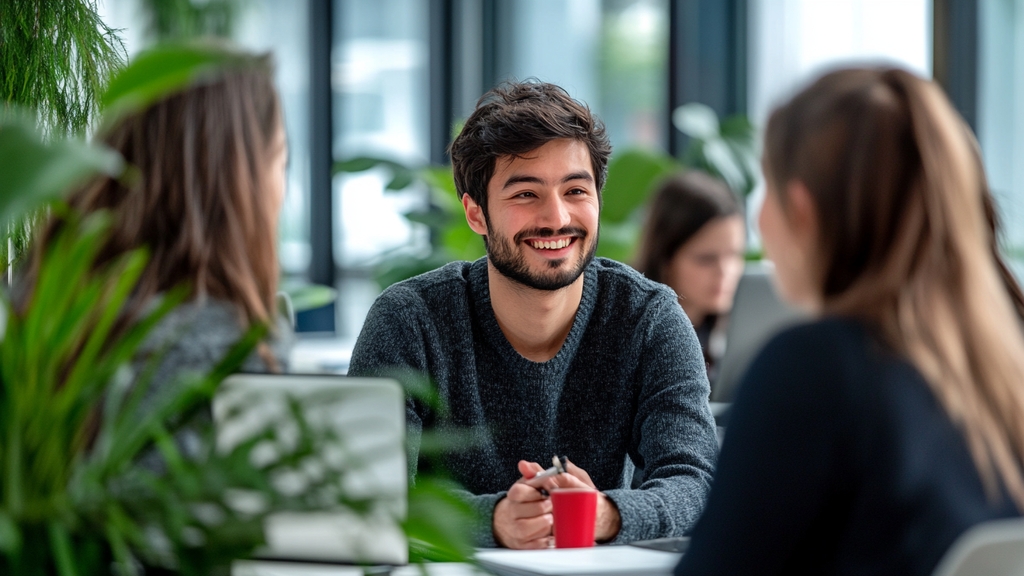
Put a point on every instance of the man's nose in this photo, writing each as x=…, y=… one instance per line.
x=554, y=213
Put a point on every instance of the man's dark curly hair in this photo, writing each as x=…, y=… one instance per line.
x=515, y=118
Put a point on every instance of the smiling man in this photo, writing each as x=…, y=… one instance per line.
x=542, y=349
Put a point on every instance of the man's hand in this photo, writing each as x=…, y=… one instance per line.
x=523, y=518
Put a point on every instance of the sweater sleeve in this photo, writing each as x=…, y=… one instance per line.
x=674, y=438
x=777, y=462
x=392, y=344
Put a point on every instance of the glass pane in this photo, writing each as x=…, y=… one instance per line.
x=1001, y=115
x=281, y=28
x=261, y=26
x=791, y=40
x=612, y=54
x=380, y=65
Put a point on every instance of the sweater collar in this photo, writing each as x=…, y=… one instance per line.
x=481, y=297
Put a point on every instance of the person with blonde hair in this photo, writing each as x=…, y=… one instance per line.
x=868, y=440
x=202, y=195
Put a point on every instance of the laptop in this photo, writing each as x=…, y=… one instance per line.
x=757, y=314
x=363, y=423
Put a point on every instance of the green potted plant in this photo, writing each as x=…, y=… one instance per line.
x=55, y=59
x=74, y=498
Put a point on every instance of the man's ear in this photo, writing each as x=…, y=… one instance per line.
x=474, y=215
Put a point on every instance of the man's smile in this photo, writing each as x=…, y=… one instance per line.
x=551, y=244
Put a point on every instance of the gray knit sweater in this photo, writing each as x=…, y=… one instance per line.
x=195, y=337
x=629, y=381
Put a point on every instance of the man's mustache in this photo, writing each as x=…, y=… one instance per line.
x=549, y=232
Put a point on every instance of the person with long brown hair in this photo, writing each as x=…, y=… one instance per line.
x=203, y=194
x=693, y=239
x=867, y=440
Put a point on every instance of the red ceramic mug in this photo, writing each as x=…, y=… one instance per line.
x=575, y=511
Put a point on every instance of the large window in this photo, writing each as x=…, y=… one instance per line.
x=790, y=40
x=380, y=83
x=611, y=54
x=1001, y=114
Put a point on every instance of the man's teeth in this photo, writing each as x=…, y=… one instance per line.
x=555, y=245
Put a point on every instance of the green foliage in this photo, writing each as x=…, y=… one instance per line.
x=73, y=471
x=56, y=59
x=35, y=172
x=632, y=175
x=161, y=71
x=171, y=20
x=450, y=236
x=77, y=427
x=727, y=149
x=305, y=296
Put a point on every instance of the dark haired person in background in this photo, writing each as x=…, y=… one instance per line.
x=543, y=349
x=693, y=241
x=867, y=441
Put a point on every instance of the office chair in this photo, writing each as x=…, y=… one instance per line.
x=994, y=548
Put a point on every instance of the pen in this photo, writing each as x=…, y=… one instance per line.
x=557, y=467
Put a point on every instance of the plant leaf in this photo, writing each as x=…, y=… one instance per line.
x=696, y=120
x=33, y=173
x=160, y=71
x=631, y=176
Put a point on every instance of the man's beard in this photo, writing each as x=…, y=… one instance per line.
x=511, y=262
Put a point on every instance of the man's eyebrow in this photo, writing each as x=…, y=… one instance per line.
x=519, y=179
x=584, y=175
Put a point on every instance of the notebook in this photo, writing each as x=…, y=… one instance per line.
x=367, y=419
x=757, y=314
x=596, y=561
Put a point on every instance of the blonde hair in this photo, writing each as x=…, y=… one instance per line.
x=907, y=244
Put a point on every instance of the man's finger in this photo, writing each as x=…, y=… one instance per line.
x=533, y=528
x=529, y=469
x=540, y=543
x=524, y=492
x=579, y=473
x=531, y=509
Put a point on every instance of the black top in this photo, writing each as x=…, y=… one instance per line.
x=627, y=384
x=838, y=460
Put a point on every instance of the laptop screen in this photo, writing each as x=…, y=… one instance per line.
x=363, y=422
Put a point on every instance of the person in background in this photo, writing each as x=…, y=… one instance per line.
x=203, y=195
x=693, y=241
x=868, y=440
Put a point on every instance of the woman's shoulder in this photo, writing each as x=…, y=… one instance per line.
x=196, y=333
x=818, y=358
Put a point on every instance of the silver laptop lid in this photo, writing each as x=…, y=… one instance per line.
x=366, y=419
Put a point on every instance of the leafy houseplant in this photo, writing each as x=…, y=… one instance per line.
x=175, y=20
x=55, y=58
x=726, y=149
x=75, y=496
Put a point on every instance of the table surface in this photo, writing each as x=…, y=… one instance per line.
x=256, y=568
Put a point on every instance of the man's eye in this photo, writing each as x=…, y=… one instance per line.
x=524, y=195
x=577, y=191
